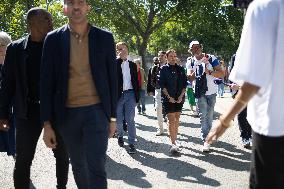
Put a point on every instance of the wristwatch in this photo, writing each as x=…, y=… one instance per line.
x=210, y=72
x=112, y=119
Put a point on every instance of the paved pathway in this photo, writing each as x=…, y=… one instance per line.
x=153, y=167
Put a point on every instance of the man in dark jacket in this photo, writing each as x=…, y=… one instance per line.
x=128, y=95
x=20, y=82
x=158, y=98
x=79, y=93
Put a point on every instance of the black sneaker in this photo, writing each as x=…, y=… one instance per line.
x=120, y=141
x=165, y=119
x=124, y=126
x=132, y=149
x=246, y=143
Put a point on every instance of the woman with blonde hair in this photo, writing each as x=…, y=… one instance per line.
x=7, y=136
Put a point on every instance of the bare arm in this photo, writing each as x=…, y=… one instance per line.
x=171, y=99
x=191, y=75
x=181, y=95
x=218, y=72
x=246, y=92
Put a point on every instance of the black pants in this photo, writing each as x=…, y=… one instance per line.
x=27, y=134
x=267, y=166
x=244, y=125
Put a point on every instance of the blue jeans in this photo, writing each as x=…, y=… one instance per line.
x=220, y=89
x=141, y=101
x=85, y=133
x=126, y=110
x=206, y=105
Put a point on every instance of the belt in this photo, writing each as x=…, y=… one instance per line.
x=32, y=101
x=129, y=90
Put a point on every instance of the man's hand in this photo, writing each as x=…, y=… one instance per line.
x=216, y=131
x=4, y=125
x=150, y=94
x=49, y=137
x=234, y=86
x=112, y=129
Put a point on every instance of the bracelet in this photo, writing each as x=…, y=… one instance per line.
x=223, y=124
x=241, y=101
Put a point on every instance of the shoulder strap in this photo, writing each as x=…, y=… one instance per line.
x=210, y=58
x=192, y=62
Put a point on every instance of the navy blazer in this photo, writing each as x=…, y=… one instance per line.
x=134, y=79
x=14, y=80
x=173, y=78
x=55, y=72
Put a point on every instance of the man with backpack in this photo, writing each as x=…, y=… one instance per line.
x=203, y=69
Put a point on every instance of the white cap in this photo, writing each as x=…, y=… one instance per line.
x=193, y=43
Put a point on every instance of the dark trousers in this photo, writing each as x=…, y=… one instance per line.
x=85, y=133
x=244, y=125
x=27, y=135
x=267, y=167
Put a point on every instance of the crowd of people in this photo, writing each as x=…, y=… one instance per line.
x=80, y=88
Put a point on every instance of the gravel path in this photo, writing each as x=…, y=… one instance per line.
x=226, y=166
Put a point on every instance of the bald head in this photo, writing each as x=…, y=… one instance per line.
x=33, y=13
x=39, y=22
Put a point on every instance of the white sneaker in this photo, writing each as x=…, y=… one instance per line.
x=206, y=147
x=173, y=149
x=160, y=132
x=178, y=145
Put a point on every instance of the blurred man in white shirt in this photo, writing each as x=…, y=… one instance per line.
x=259, y=71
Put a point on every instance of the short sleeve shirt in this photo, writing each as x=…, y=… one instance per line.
x=199, y=67
x=259, y=61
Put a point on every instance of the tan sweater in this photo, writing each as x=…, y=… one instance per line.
x=81, y=87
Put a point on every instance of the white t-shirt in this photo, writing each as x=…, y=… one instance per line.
x=260, y=61
x=212, y=87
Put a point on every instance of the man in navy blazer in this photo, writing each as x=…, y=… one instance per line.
x=20, y=85
x=79, y=93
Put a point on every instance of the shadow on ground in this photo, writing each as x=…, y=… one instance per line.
x=176, y=169
x=118, y=171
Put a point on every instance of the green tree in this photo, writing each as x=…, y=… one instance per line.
x=136, y=20
x=212, y=22
x=13, y=15
x=146, y=25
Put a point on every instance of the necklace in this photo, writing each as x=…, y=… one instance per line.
x=78, y=36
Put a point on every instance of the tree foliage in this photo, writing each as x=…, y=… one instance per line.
x=13, y=15
x=134, y=21
x=146, y=25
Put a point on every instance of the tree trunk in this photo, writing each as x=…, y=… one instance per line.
x=142, y=48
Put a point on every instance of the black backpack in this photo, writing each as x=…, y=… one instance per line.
x=200, y=79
